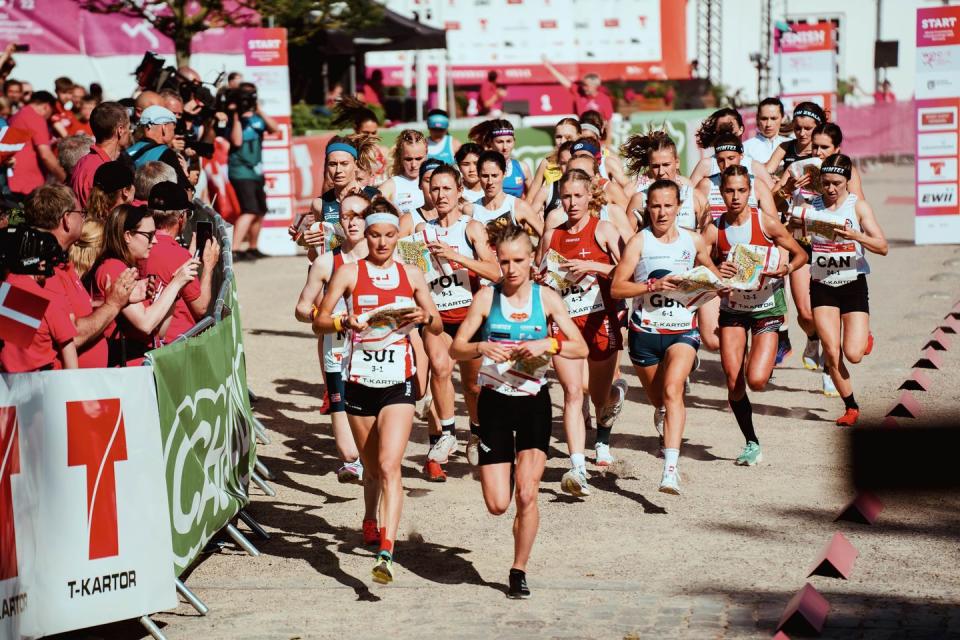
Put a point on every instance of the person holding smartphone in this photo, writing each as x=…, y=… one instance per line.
x=169, y=206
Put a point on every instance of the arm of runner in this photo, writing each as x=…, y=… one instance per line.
x=538, y=184
x=527, y=175
x=615, y=194
x=871, y=237
x=388, y=189
x=526, y=215
x=428, y=314
x=635, y=210
x=461, y=348
x=765, y=199
x=703, y=253
x=775, y=230
x=615, y=171
x=341, y=284
x=574, y=346
x=760, y=173
x=702, y=209
x=702, y=170
x=775, y=159
x=855, y=184
x=539, y=200
x=485, y=265
x=317, y=276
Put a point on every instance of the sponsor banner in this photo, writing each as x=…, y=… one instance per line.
x=84, y=532
x=206, y=425
x=937, y=144
x=936, y=169
x=807, y=64
x=805, y=38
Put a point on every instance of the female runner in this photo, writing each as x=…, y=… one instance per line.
x=549, y=170
x=467, y=158
x=411, y=219
x=497, y=208
x=379, y=387
x=757, y=313
x=769, y=120
x=548, y=197
x=663, y=333
x=593, y=126
x=591, y=248
x=332, y=346
x=440, y=145
x=589, y=148
x=498, y=135
x=838, y=278
x=515, y=420
x=464, y=247
x=609, y=211
x=403, y=188
x=721, y=121
x=350, y=111
x=807, y=116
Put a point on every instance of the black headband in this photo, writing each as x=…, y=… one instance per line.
x=805, y=113
x=728, y=146
x=842, y=171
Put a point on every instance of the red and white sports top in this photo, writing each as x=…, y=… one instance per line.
x=392, y=364
x=595, y=297
x=750, y=232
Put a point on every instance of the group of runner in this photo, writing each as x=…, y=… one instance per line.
x=463, y=255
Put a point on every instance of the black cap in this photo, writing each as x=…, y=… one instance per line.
x=168, y=196
x=113, y=176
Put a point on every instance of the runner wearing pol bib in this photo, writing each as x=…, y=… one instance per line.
x=838, y=273
x=403, y=189
x=663, y=332
x=589, y=248
x=498, y=209
x=757, y=314
x=379, y=367
x=332, y=346
x=498, y=135
x=514, y=404
x=462, y=248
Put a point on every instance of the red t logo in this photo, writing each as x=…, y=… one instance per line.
x=937, y=167
x=95, y=439
x=9, y=465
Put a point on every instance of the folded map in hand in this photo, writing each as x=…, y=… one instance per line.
x=751, y=260
x=387, y=324
x=559, y=277
x=333, y=235
x=818, y=223
x=695, y=287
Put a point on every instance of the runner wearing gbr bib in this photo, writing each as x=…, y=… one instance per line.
x=514, y=428
x=757, y=313
x=380, y=392
x=838, y=287
x=663, y=333
x=464, y=249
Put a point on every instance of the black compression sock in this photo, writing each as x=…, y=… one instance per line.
x=743, y=411
x=603, y=434
x=813, y=336
x=850, y=403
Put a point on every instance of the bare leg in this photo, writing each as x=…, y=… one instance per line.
x=241, y=228
x=708, y=319
x=530, y=464
x=570, y=375
x=763, y=354
x=675, y=368
x=393, y=425
x=828, y=327
x=469, y=370
x=368, y=442
x=441, y=373
x=800, y=289
x=602, y=374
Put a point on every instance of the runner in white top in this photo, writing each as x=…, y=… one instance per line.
x=466, y=158
x=463, y=250
x=331, y=346
x=497, y=208
x=403, y=189
x=427, y=211
x=769, y=120
x=724, y=120
x=609, y=212
x=663, y=332
x=550, y=168
x=838, y=288
x=498, y=135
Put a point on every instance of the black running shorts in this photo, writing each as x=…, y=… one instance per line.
x=850, y=297
x=510, y=424
x=368, y=401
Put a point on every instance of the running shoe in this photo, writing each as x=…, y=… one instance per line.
x=383, y=568
x=670, y=483
x=440, y=452
x=434, y=472
x=518, y=585
x=784, y=348
x=811, y=355
x=829, y=389
x=751, y=455
x=604, y=459
x=849, y=418
x=612, y=411
x=574, y=482
x=659, y=417
x=869, y=348
x=585, y=408
x=371, y=534
x=351, y=472
x=473, y=450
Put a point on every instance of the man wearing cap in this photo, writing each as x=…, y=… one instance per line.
x=36, y=160
x=157, y=126
x=111, y=129
x=169, y=206
x=440, y=144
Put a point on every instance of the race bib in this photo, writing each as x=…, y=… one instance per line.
x=583, y=298
x=378, y=369
x=834, y=264
x=660, y=312
x=762, y=299
x=452, y=291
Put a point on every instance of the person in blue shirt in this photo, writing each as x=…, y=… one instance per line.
x=440, y=144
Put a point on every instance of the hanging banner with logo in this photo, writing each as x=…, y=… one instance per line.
x=207, y=430
x=807, y=64
x=265, y=52
x=84, y=535
x=937, y=105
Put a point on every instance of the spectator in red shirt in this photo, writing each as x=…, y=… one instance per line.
x=491, y=96
x=82, y=110
x=884, y=93
x=71, y=150
x=36, y=161
x=373, y=88
x=129, y=237
x=588, y=93
x=111, y=130
x=53, y=208
x=170, y=207
x=112, y=187
x=52, y=346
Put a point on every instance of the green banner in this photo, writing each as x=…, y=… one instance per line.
x=209, y=447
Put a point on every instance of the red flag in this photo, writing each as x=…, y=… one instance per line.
x=11, y=141
x=20, y=314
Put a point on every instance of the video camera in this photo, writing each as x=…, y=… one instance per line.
x=152, y=75
x=244, y=100
x=29, y=252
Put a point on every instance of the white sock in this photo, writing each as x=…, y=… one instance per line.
x=448, y=425
x=578, y=461
x=670, y=459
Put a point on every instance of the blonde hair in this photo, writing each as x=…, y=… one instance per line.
x=407, y=136
x=368, y=148
x=85, y=252
x=598, y=198
x=101, y=203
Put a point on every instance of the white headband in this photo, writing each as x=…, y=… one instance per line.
x=590, y=127
x=382, y=218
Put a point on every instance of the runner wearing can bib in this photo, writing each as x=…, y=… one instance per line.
x=332, y=346
x=498, y=135
x=753, y=316
x=514, y=404
x=590, y=248
x=838, y=272
x=462, y=248
x=663, y=338
x=379, y=367
x=498, y=209
x=403, y=188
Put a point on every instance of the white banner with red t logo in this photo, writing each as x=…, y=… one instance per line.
x=84, y=523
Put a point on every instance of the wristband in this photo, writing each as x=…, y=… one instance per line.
x=554, y=346
x=650, y=283
x=314, y=312
x=338, y=323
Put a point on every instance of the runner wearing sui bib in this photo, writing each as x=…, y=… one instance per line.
x=467, y=158
x=551, y=168
x=514, y=404
x=663, y=332
x=609, y=211
x=749, y=315
x=403, y=189
x=498, y=135
x=589, y=248
x=498, y=209
x=463, y=252
x=838, y=287
x=332, y=346
x=440, y=144
x=379, y=367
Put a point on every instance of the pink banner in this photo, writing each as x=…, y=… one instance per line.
x=938, y=26
x=877, y=130
x=805, y=37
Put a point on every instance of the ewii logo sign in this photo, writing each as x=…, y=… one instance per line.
x=96, y=440
x=9, y=465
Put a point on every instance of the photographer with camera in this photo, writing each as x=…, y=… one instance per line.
x=111, y=130
x=245, y=129
x=157, y=126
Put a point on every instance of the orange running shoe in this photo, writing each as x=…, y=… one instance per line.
x=371, y=534
x=434, y=471
x=849, y=418
x=869, y=348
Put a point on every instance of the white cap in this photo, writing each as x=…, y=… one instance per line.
x=155, y=114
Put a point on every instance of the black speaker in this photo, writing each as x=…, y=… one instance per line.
x=886, y=54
